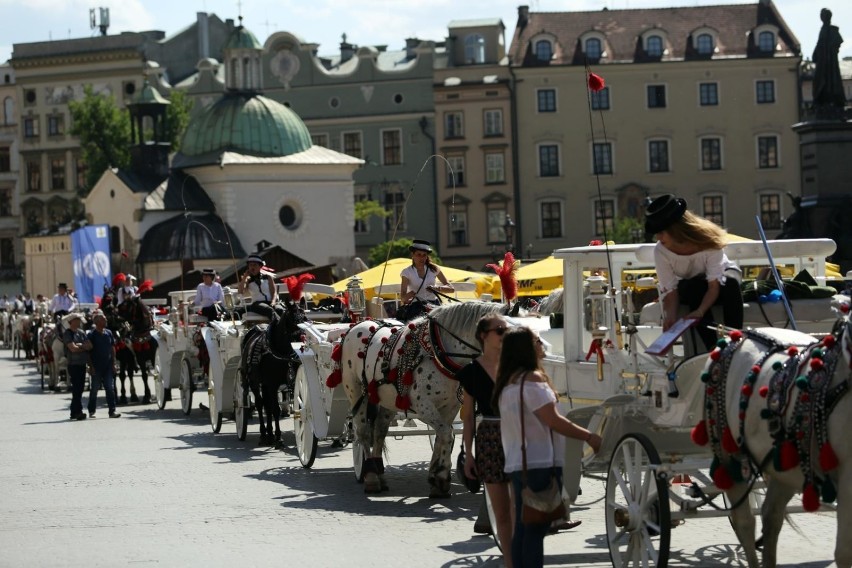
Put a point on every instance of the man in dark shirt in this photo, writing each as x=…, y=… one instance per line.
x=103, y=364
x=77, y=348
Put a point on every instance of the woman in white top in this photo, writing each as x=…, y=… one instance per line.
x=209, y=295
x=692, y=268
x=260, y=286
x=544, y=427
x=419, y=280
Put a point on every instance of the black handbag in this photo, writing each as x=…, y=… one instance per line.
x=473, y=485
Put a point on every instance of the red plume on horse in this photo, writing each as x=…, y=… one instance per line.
x=146, y=286
x=506, y=273
x=295, y=284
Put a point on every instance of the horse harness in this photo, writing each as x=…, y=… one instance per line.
x=801, y=383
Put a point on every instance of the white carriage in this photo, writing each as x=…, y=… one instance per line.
x=642, y=405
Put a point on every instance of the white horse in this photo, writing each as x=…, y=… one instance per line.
x=386, y=366
x=777, y=402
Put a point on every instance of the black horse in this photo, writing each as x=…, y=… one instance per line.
x=269, y=361
x=136, y=348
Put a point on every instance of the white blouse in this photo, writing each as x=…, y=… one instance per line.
x=414, y=281
x=672, y=267
x=541, y=453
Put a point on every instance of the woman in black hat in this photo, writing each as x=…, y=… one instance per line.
x=692, y=267
x=260, y=285
x=418, y=280
x=209, y=295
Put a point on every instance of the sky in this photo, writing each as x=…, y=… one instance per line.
x=365, y=22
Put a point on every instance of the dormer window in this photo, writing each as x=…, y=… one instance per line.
x=474, y=49
x=654, y=46
x=704, y=44
x=766, y=42
x=593, y=49
x=543, y=50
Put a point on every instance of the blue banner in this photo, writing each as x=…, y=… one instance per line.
x=90, y=254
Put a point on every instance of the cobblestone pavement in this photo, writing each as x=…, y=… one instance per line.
x=156, y=488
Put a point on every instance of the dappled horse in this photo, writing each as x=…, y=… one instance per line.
x=268, y=361
x=136, y=348
x=777, y=404
x=22, y=339
x=386, y=367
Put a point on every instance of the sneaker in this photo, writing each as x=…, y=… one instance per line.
x=91, y=415
x=79, y=416
x=114, y=415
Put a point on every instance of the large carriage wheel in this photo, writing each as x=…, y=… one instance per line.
x=492, y=518
x=303, y=426
x=186, y=387
x=359, y=455
x=638, y=520
x=16, y=345
x=159, y=386
x=215, y=415
x=242, y=406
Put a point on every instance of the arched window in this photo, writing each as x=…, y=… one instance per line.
x=543, y=50
x=593, y=49
x=654, y=46
x=704, y=44
x=474, y=49
x=9, y=110
x=114, y=239
x=766, y=42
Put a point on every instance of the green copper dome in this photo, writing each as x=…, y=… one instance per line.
x=241, y=38
x=246, y=123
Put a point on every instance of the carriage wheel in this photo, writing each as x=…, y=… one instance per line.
x=638, y=520
x=41, y=369
x=492, y=519
x=159, y=387
x=215, y=415
x=242, y=406
x=186, y=387
x=16, y=346
x=358, y=458
x=303, y=426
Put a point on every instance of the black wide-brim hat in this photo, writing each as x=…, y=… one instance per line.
x=663, y=212
x=420, y=245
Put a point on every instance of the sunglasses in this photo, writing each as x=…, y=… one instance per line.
x=499, y=330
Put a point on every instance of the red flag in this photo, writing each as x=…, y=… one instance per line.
x=596, y=82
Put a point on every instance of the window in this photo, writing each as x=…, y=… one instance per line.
x=474, y=49
x=395, y=205
x=392, y=147
x=548, y=160
x=766, y=42
x=8, y=110
x=654, y=46
x=453, y=125
x=494, y=122
x=455, y=171
x=551, y=219
x=115, y=240
x=704, y=44
x=458, y=228
x=361, y=225
x=712, y=205
x=708, y=94
x=55, y=125
x=767, y=151
x=5, y=159
x=82, y=172
x=765, y=91
x=7, y=253
x=711, y=154
x=658, y=156
x=604, y=216
x=770, y=211
x=497, y=225
x=319, y=140
x=546, y=100
x=352, y=145
x=602, y=152
x=600, y=99
x=31, y=127
x=33, y=176
x=6, y=202
x=543, y=50
x=656, y=96
x=494, y=168
x=57, y=173
x=593, y=49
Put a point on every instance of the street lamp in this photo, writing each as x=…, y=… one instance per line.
x=509, y=228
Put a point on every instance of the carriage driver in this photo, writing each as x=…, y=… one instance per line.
x=209, y=295
x=260, y=286
x=127, y=290
x=62, y=303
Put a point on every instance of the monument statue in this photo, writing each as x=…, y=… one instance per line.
x=828, y=85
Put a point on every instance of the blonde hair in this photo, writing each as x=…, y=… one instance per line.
x=698, y=231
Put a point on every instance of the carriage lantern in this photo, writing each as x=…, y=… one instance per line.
x=229, y=299
x=357, y=300
x=597, y=300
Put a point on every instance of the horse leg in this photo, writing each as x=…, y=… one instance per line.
x=259, y=402
x=122, y=372
x=273, y=409
x=146, y=399
x=843, y=544
x=366, y=421
x=772, y=515
x=383, y=422
x=742, y=520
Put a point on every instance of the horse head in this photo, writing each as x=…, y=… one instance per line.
x=284, y=326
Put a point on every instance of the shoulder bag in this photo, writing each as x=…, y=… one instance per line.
x=414, y=308
x=539, y=507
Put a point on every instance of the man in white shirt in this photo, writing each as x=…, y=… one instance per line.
x=62, y=304
x=209, y=295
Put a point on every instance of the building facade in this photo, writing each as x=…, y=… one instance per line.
x=10, y=255
x=698, y=102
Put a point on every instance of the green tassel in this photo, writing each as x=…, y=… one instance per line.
x=817, y=354
x=777, y=365
x=705, y=376
x=721, y=344
x=829, y=492
x=802, y=382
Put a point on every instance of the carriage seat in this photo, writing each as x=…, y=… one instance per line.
x=806, y=311
x=253, y=317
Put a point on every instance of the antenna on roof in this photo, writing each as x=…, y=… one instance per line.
x=104, y=19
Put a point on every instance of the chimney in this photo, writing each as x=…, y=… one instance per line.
x=347, y=50
x=411, y=44
x=523, y=16
x=203, y=34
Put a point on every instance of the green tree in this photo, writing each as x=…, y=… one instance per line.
x=104, y=133
x=397, y=248
x=177, y=117
x=624, y=230
x=369, y=208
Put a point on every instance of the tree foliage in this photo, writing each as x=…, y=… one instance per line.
x=368, y=208
x=397, y=248
x=624, y=229
x=177, y=117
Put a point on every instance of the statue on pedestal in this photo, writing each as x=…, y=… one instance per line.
x=827, y=84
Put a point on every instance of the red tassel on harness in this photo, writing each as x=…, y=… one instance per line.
x=393, y=375
x=334, y=379
x=373, y=392
x=827, y=458
x=810, y=498
x=699, y=434
x=403, y=402
x=337, y=352
x=408, y=378
x=728, y=442
x=722, y=478
x=789, y=456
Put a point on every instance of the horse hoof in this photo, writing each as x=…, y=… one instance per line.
x=146, y=399
x=436, y=493
x=122, y=400
x=134, y=398
x=372, y=488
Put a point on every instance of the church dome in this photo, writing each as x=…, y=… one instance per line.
x=246, y=123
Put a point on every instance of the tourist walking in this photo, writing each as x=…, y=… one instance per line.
x=102, y=359
x=77, y=347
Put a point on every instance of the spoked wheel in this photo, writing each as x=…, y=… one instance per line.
x=215, y=415
x=303, y=426
x=492, y=519
x=638, y=520
x=358, y=457
x=242, y=406
x=159, y=387
x=186, y=387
